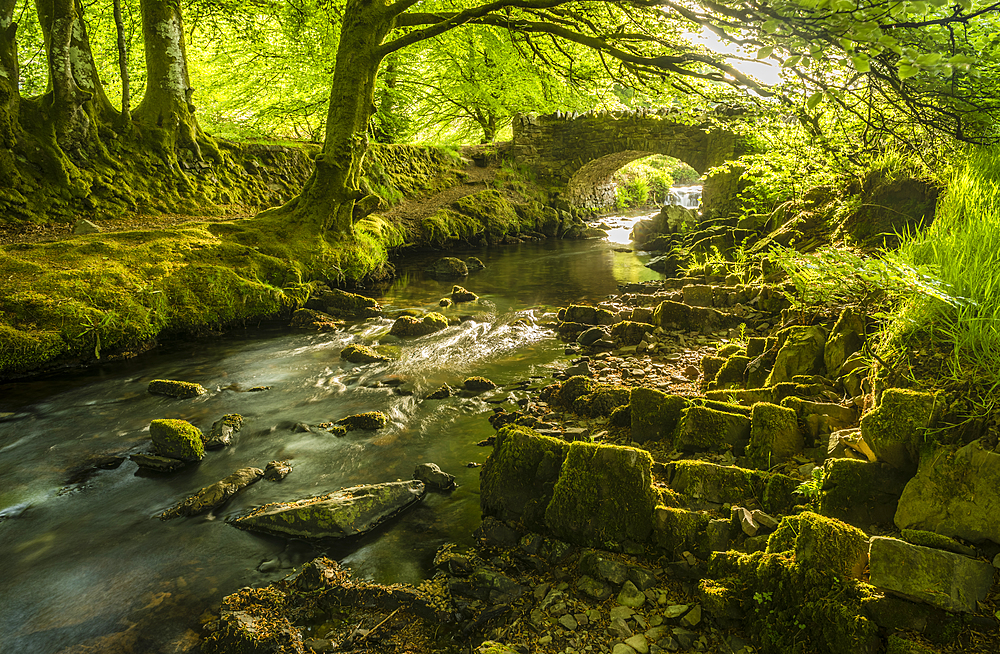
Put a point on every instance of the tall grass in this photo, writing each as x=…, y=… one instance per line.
x=962, y=248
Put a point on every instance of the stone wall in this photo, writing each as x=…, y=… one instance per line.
x=581, y=152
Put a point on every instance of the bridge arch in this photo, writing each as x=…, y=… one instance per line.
x=580, y=153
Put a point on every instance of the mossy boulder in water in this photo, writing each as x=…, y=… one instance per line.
x=460, y=294
x=177, y=439
x=478, y=384
x=411, y=326
x=518, y=478
x=654, y=414
x=774, y=435
x=342, y=304
x=604, y=494
x=174, y=388
x=448, y=267
x=223, y=430
x=822, y=544
x=801, y=353
x=369, y=421
x=895, y=430
x=356, y=353
x=341, y=514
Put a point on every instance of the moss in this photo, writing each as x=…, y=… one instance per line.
x=630, y=333
x=935, y=541
x=732, y=374
x=478, y=384
x=703, y=429
x=411, y=326
x=356, y=353
x=774, y=435
x=705, y=481
x=727, y=407
x=743, y=397
x=897, y=428
x=175, y=388
x=518, y=478
x=573, y=388
x=677, y=530
x=602, y=401
x=710, y=367
x=604, y=495
x=728, y=350
x=177, y=439
x=369, y=421
x=654, y=414
x=822, y=544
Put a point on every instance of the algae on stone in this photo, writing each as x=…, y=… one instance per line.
x=369, y=421
x=174, y=388
x=411, y=326
x=357, y=353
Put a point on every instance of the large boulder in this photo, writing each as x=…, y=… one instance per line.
x=801, y=353
x=949, y=581
x=860, y=493
x=677, y=315
x=956, y=494
x=654, y=414
x=341, y=514
x=517, y=479
x=357, y=353
x=895, y=430
x=604, y=493
x=891, y=204
x=177, y=439
x=411, y=326
x=213, y=496
x=676, y=530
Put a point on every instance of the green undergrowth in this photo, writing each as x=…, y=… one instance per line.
x=962, y=250
x=487, y=215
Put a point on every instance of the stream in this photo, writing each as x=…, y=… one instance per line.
x=88, y=566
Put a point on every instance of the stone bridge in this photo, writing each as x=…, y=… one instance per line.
x=581, y=152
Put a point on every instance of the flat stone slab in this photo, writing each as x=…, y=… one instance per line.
x=949, y=581
x=341, y=514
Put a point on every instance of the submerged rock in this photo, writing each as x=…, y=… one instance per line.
x=474, y=264
x=223, y=430
x=434, y=477
x=342, y=304
x=312, y=319
x=341, y=514
x=156, y=463
x=478, y=384
x=177, y=439
x=174, y=388
x=277, y=470
x=356, y=353
x=213, y=496
x=446, y=267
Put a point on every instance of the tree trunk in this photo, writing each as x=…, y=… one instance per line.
x=10, y=97
x=166, y=107
x=123, y=61
x=65, y=98
x=327, y=202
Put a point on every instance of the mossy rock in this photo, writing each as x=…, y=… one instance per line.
x=630, y=333
x=897, y=428
x=602, y=401
x=891, y=205
x=174, y=388
x=743, y=397
x=475, y=264
x=703, y=429
x=604, y=495
x=654, y=414
x=728, y=350
x=343, y=304
x=801, y=353
x=478, y=384
x=448, y=267
x=710, y=367
x=573, y=388
x=677, y=315
x=861, y=493
x=406, y=326
x=715, y=483
x=846, y=338
x=517, y=479
x=356, y=353
x=460, y=294
x=678, y=530
x=823, y=544
x=369, y=421
x=223, y=430
x=774, y=435
x=733, y=373
x=177, y=439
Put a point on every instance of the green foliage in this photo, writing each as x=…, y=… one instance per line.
x=638, y=184
x=811, y=488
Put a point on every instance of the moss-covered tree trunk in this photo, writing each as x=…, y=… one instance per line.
x=9, y=95
x=166, y=110
x=332, y=199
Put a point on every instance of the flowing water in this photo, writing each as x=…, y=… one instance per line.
x=88, y=566
x=686, y=196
